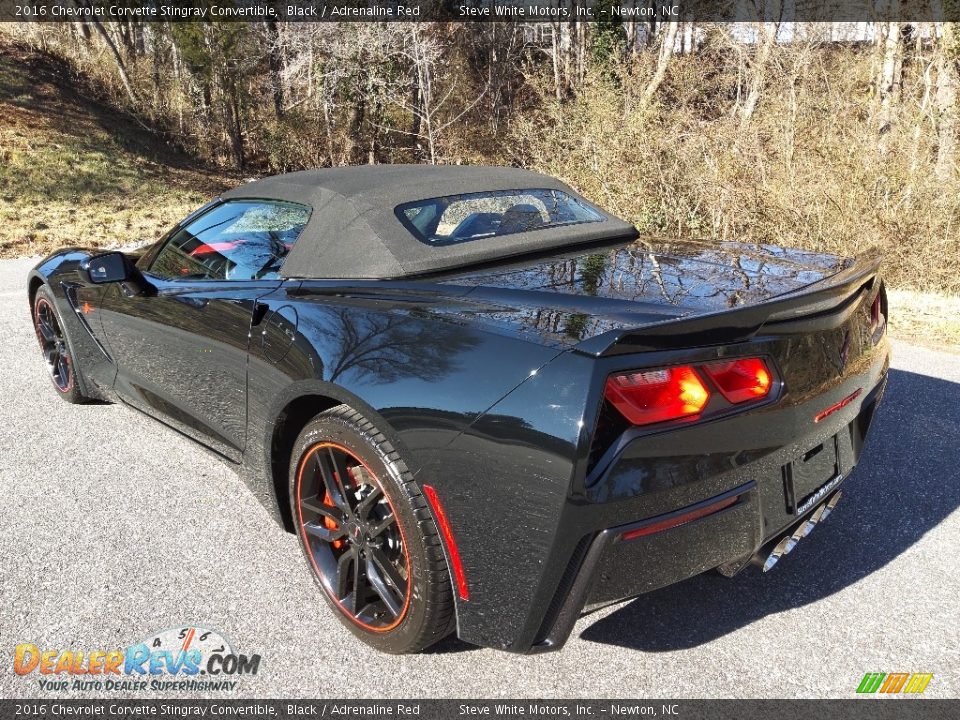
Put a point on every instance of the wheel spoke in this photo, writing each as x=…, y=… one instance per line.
x=323, y=532
x=63, y=368
x=339, y=465
x=357, y=599
x=316, y=506
x=49, y=334
x=333, y=484
x=382, y=589
x=378, y=529
x=346, y=588
x=369, y=500
x=389, y=571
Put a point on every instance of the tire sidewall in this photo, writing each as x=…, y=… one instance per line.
x=398, y=487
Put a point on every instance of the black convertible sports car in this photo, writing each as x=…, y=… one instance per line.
x=482, y=402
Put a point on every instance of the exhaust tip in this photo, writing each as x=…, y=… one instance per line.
x=830, y=505
x=789, y=542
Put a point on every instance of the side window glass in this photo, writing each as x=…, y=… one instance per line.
x=236, y=240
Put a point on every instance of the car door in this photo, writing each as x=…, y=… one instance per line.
x=181, y=343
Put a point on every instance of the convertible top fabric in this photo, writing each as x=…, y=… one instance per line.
x=354, y=233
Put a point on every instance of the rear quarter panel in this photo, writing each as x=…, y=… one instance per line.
x=422, y=376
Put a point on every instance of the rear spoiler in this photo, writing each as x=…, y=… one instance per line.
x=822, y=305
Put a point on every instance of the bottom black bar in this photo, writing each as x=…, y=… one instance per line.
x=872, y=707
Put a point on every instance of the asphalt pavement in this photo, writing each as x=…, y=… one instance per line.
x=114, y=527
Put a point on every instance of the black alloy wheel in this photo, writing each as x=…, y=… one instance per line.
x=356, y=546
x=55, y=348
x=53, y=344
x=368, y=535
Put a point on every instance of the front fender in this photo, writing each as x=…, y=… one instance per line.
x=77, y=301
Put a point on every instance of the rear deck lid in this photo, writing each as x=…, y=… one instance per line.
x=584, y=295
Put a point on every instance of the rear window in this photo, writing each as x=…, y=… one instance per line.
x=461, y=218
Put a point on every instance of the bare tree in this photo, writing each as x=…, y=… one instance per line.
x=890, y=79
x=275, y=55
x=765, y=41
x=946, y=101
x=667, y=45
x=118, y=61
x=426, y=100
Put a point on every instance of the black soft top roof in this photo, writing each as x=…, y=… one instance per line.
x=354, y=232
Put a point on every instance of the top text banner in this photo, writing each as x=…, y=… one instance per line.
x=524, y=11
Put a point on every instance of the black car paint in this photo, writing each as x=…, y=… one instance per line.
x=490, y=383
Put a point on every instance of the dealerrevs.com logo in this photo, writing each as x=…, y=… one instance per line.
x=186, y=658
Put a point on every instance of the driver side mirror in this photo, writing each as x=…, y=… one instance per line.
x=108, y=267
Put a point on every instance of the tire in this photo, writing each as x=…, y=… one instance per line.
x=371, y=543
x=48, y=325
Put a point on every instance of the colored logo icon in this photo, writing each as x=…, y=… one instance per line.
x=894, y=683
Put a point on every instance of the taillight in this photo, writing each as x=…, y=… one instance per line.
x=742, y=379
x=653, y=396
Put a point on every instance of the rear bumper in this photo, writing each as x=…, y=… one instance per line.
x=727, y=529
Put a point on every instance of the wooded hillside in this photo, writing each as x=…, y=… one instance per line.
x=816, y=136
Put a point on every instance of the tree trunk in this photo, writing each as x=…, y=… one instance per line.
x=948, y=85
x=555, y=58
x=357, y=115
x=121, y=69
x=890, y=82
x=276, y=67
x=126, y=38
x=416, y=115
x=758, y=74
x=85, y=29
x=663, y=62
x=230, y=111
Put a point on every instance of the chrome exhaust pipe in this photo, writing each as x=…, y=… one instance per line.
x=789, y=542
x=831, y=504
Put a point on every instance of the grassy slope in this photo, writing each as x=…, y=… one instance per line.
x=73, y=172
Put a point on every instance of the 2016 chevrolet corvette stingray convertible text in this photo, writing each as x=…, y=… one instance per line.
x=481, y=402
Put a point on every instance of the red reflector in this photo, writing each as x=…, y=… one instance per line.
x=742, y=379
x=837, y=406
x=678, y=520
x=447, y=532
x=654, y=396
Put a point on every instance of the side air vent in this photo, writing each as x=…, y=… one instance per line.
x=610, y=426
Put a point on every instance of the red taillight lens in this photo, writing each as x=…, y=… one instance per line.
x=742, y=379
x=654, y=396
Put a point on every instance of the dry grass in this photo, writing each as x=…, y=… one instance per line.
x=805, y=171
x=926, y=318
x=74, y=173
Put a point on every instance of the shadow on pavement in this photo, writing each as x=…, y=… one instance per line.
x=904, y=486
